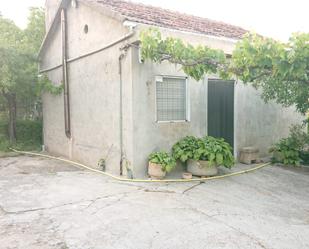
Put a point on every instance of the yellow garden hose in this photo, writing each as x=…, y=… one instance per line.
x=79, y=165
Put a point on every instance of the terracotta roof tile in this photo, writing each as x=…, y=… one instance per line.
x=170, y=19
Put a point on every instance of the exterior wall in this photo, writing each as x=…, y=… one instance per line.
x=256, y=123
x=54, y=137
x=259, y=124
x=55, y=140
x=94, y=91
x=149, y=135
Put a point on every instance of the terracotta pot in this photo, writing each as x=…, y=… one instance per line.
x=201, y=168
x=155, y=171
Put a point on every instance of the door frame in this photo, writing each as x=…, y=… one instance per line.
x=206, y=80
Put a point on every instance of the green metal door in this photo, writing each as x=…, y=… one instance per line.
x=221, y=109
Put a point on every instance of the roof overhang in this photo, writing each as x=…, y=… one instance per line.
x=64, y=4
x=52, y=26
x=115, y=15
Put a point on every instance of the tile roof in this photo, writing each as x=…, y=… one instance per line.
x=170, y=19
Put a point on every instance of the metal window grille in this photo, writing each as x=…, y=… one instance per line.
x=171, y=97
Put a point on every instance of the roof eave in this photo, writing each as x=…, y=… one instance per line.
x=51, y=28
x=104, y=10
x=223, y=38
x=64, y=4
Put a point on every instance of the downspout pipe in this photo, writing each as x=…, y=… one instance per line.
x=121, y=56
x=66, y=92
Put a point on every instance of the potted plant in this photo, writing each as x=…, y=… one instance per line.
x=159, y=164
x=203, y=155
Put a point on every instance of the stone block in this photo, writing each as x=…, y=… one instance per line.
x=249, y=155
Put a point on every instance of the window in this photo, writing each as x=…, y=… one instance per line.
x=171, y=97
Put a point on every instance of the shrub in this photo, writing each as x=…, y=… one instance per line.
x=304, y=156
x=28, y=133
x=286, y=152
x=218, y=152
x=293, y=149
x=4, y=143
x=299, y=137
x=166, y=161
x=186, y=148
x=214, y=150
x=3, y=127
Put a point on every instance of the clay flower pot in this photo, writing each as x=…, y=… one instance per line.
x=201, y=168
x=155, y=171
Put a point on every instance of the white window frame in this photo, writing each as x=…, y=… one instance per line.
x=187, y=100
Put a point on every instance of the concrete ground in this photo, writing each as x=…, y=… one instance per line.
x=47, y=204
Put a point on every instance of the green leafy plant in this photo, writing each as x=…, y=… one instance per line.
x=214, y=150
x=4, y=143
x=102, y=164
x=187, y=148
x=45, y=85
x=292, y=150
x=279, y=69
x=29, y=135
x=195, y=61
x=218, y=151
x=299, y=137
x=167, y=162
x=286, y=152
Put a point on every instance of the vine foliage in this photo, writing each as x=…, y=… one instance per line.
x=280, y=70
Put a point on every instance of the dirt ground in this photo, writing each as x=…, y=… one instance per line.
x=47, y=204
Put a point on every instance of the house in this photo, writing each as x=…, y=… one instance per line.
x=118, y=108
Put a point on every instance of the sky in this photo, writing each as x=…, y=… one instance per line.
x=273, y=18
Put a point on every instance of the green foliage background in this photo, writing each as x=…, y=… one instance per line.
x=18, y=77
x=18, y=59
x=29, y=135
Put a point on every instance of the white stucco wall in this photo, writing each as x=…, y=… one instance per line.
x=94, y=91
x=150, y=135
x=258, y=123
x=54, y=137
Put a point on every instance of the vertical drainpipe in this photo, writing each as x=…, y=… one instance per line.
x=67, y=121
x=121, y=114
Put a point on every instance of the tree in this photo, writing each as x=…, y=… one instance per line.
x=281, y=70
x=10, y=49
x=18, y=66
x=33, y=37
x=35, y=30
